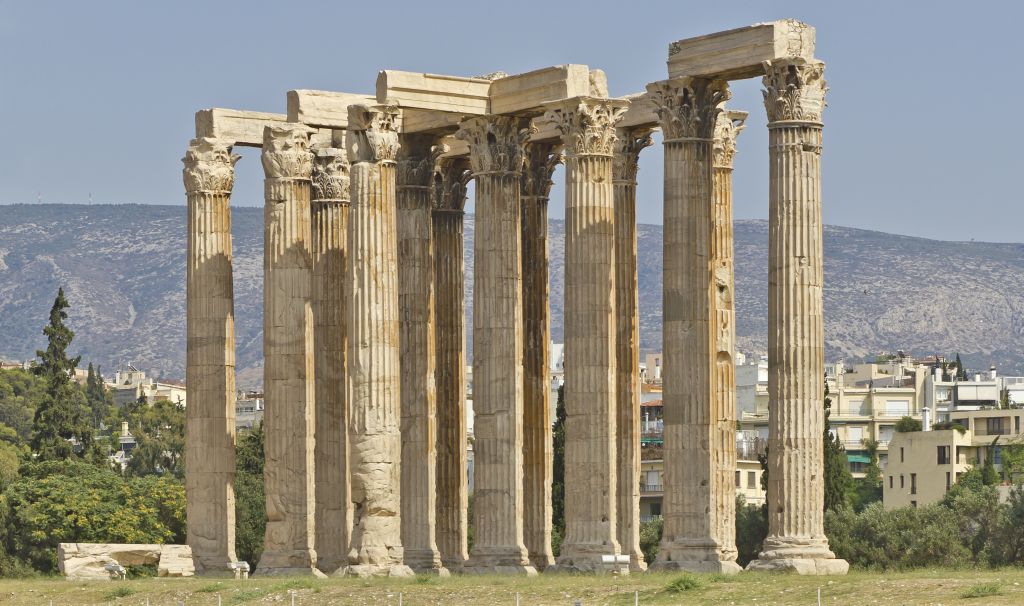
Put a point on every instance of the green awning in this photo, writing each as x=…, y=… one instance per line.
x=858, y=458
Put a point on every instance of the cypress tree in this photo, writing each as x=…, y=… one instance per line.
x=62, y=414
x=558, y=471
x=837, y=476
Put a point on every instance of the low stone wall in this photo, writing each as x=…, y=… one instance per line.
x=87, y=561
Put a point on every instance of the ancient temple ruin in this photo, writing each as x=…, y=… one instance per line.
x=364, y=319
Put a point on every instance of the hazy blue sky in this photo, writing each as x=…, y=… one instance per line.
x=921, y=134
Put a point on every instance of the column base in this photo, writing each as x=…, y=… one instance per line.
x=425, y=562
x=542, y=562
x=329, y=566
x=588, y=558
x=288, y=563
x=499, y=561
x=637, y=563
x=805, y=566
x=702, y=566
x=366, y=571
x=802, y=556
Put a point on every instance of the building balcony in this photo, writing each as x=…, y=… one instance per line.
x=649, y=518
x=650, y=489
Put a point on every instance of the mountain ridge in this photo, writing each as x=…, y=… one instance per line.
x=123, y=270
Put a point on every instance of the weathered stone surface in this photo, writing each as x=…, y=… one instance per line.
x=289, y=419
x=532, y=91
x=433, y=91
x=210, y=354
x=330, y=297
x=588, y=134
x=496, y=157
x=699, y=526
x=794, y=98
x=238, y=127
x=87, y=561
x=538, y=448
x=449, y=201
x=375, y=547
x=740, y=53
x=629, y=143
x=321, y=108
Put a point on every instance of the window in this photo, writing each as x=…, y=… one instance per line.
x=902, y=483
x=1016, y=424
x=897, y=408
x=655, y=509
x=913, y=483
x=942, y=455
x=890, y=482
x=901, y=454
x=948, y=480
x=751, y=479
x=913, y=504
x=997, y=456
x=994, y=426
x=737, y=479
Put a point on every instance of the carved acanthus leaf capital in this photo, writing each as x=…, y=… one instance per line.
x=372, y=133
x=416, y=159
x=727, y=128
x=286, y=152
x=541, y=160
x=451, y=176
x=794, y=89
x=625, y=161
x=330, y=174
x=496, y=143
x=587, y=124
x=209, y=166
x=688, y=107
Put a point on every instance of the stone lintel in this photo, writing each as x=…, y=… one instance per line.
x=640, y=112
x=413, y=90
x=241, y=127
x=323, y=109
x=739, y=53
x=528, y=93
x=245, y=128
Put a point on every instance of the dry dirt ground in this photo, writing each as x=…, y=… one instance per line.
x=859, y=588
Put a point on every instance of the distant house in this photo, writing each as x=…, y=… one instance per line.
x=130, y=384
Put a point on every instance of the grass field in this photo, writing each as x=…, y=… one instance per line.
x=860, y=588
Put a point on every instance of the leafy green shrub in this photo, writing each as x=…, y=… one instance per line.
x=982, y=590
x=751, y=529
x=685, y=582
x=650, y=536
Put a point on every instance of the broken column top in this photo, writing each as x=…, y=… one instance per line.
x=739, y=53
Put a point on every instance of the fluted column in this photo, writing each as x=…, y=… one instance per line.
x=496, y=155
x=538, y=448
x=698, y=534
x=375, y=547
x=209, y=176
x=723, y=326
x=330, y=206
x=627, y=343
x=794, y=99
x=288, y=545
x=418, y=347
x=449, y=200
x=588, y=133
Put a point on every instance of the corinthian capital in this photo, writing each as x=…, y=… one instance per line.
x=209, y=166
x=330, y=175
x=372, y=133
x=416, y=159
x=794, y=89
x=626, y=158
x=286, y=152
x=451, y=176
x=587, y=124
x=496, y=143
x=687, y=107
x=727, y=128
x=541, y=159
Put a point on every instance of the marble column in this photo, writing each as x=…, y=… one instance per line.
x=417, y=350
x=209, y=176
x=449, y=199
x=698, y=534
x=496, y=151
x=588, y=133
x=288, y=473
x=627, y=343
x=538, y=448
x=330, y=206
x=794, y=98
x=375, y=546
